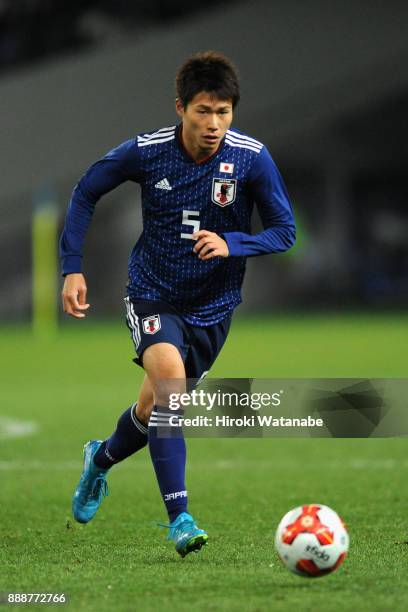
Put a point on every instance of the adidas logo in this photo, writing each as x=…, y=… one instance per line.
x=164, y=184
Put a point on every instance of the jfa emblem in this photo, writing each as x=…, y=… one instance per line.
x=152, y=324
x=223, y=191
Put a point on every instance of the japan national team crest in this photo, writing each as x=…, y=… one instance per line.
x=223, y=191
x=152, y=324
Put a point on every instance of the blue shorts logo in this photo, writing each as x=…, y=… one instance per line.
x=152, y=324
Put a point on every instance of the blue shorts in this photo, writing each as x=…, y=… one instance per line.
x=151, y=322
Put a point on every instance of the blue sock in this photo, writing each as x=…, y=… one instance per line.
x=168, y=452
x=130, y=436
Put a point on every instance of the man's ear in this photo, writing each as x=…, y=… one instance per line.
x=179, y=107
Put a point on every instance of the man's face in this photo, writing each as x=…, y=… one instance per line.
x=205, y=122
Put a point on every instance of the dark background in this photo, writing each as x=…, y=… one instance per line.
x=324, y=85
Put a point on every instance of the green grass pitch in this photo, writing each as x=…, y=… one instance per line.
x=75, y=386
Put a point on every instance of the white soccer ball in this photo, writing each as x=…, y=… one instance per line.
x=312, y=540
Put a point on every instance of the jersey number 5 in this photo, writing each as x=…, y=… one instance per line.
x=195, y=223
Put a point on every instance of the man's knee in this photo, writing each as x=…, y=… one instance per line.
x=165, y=369
x=143, y=412
x=163, y=360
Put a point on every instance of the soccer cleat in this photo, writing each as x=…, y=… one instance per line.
x=186, y=535
x=92, y=486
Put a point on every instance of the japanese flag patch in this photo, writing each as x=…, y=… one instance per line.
x=152, y=324
x=226, y=167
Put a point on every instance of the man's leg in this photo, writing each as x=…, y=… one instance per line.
x=165, y=369
x=129, y=437
x=163, y=363
x=145, y=402
x=131, y=431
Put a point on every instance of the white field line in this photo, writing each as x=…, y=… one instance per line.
x=274, y=465
x=251, y=464
x=16, y=428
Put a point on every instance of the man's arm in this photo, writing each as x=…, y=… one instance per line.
x=269, y=193
x=118, y=166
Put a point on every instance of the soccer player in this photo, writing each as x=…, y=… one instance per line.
x=200, y=180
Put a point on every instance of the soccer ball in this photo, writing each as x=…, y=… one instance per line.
x=312, y=540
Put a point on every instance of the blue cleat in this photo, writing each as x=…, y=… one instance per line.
x=186, y=535
x=92, y=486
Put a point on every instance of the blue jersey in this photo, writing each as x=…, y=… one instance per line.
x=179, y=197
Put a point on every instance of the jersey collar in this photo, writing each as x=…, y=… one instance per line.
x=179, y=142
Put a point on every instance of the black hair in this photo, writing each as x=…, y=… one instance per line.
x=211, y=72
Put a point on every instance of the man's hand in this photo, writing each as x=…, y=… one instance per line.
x=74, y=296
x=209, y=245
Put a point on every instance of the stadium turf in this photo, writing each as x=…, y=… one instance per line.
x=72, y=388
